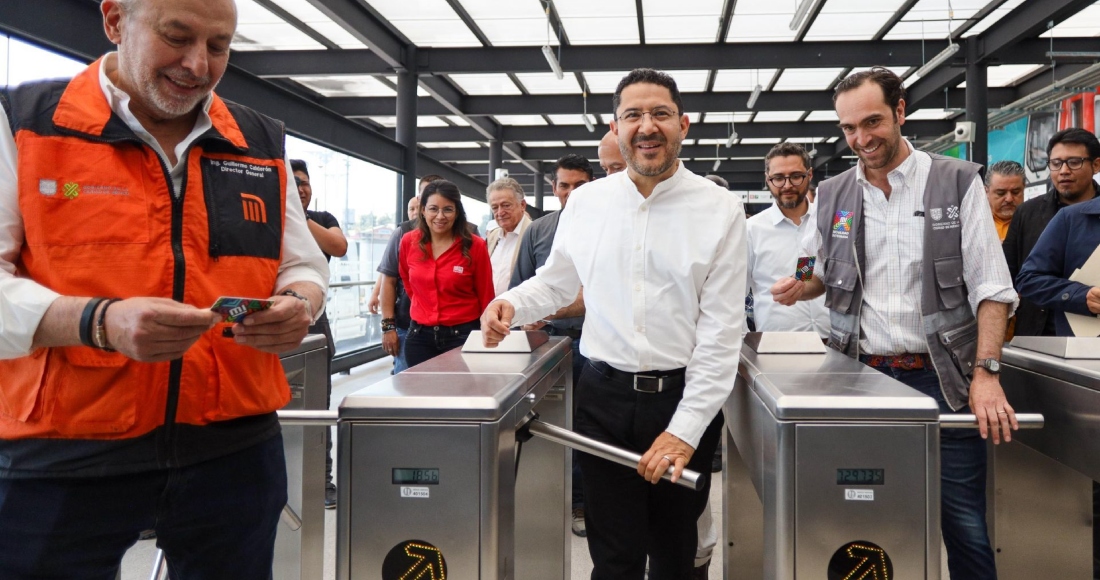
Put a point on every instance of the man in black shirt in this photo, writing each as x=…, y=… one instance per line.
x=326, y=231
x=1069, y=185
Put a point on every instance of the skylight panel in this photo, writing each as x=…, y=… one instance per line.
x=690, y=81
x=429, y=121
x=548, y=84
x=426, y=22
x=762, y=21
x=603, y=82
x=725, y=117
x=993, y=18
x=603, y=22
x=347, y=86
x=929, y=115
x=807, y=79
x=512, y=23
x=1085, y=23
x=929, y=19
x=524, y=120
x=778, y=116
x=315, y=19
x=1007, y=75
x=567, y=119
x=486, y=84
x=260, y=29
x=822, y=116
x=742, y=80
x=692, y=21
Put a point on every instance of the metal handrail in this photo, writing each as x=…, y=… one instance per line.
x=689, y=479
x=350, y=284
x=324, y=418
x=964, y=421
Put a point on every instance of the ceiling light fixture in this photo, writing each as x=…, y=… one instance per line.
x=733, y=136
x=549, y=52
x=801, y=12
x=717, y=164
x=937, y=60
x=587, y=122
x=755, y=95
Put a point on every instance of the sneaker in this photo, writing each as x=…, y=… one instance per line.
x=716, y=461
x=701, y=572
x=578, y=523
x=330, y=497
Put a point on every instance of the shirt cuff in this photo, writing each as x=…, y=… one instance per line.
x=524, y=314
x=996, y=293
x=688, y=426
x=23, y=303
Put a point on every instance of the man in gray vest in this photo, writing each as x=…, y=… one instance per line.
x=909, y=254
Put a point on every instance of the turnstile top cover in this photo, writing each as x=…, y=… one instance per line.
x=1083, y=372
x=310, y=342
x=830, y=387
x=456, y=386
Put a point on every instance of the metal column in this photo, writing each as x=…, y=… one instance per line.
x=540, y=187
x=977, y=101
x=406, y=129
x=496, y=158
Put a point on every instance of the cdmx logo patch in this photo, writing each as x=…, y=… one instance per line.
x=71, y=189
x=842, y=222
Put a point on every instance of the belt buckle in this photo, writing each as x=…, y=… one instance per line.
x=660, y=383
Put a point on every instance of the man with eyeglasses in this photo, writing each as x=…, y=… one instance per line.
x=509, y=207
x=775, y=243
x=660, y=253
x=325, y=229
x=1073, y=156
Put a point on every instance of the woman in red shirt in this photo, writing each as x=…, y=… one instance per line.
x=447, y=274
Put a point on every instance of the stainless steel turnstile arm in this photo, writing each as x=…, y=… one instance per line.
x=308, y=418
x=689, y=479
x=1025, y=420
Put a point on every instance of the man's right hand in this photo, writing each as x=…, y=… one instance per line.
x=1093, y=300
x=787, y=291
x=156, y=329
x=391, y=343
x=496, y=321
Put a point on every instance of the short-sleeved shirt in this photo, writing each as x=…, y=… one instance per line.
x=448, y=289
x=533, y=251
x=326, y=220
x=390, y=267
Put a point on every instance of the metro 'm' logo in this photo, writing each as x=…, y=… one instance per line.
x=253, y=208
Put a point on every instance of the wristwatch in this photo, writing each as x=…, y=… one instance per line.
x=992, y=365
x=309, y=305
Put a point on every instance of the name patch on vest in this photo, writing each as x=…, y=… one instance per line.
x=244, y=204
x=945, y=220
x=842, y=225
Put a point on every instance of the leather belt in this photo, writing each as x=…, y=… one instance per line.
x=907, y=361
x=646, y=381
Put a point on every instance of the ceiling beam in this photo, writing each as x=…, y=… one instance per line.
x=363, y=25
x=669, y=57
x=574, y=104
x=822, y=129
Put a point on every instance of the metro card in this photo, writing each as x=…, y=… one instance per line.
x=236, y=309
x=805, y=269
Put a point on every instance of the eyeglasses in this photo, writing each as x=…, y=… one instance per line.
x=301, y=182
x=796, y=179
x=1074, y=163
x=433, y=210
x=660, y=115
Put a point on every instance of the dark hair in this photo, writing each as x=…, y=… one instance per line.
x=574, y=162
x=450, y=192
x=429, y=179
x=1006, y=168
x=299, y=165
x=787, y=149
x=893, y=88
x=1078, y=137
x=653, y=77
x=718, y=180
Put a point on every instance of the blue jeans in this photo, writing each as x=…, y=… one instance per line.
x=428, y=342
x=399, y=362
x=216, y=519
x=962, y=474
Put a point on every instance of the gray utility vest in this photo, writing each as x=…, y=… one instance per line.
x=949, y=324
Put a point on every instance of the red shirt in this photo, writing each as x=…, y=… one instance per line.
x=449, y=289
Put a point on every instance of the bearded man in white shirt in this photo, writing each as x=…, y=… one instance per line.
x=775, y=243
x=664, y=288
x=919, y=290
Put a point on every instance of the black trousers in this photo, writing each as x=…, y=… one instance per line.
x=424, y=343
x=626, y=517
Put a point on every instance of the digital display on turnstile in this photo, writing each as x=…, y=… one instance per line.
x=416, y=475
x=860, y=476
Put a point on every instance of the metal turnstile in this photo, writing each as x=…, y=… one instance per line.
x=300, y=540
x=1040, y=511
x=831, y=469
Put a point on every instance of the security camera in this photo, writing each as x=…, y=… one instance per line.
x=501, y=173
x=964, y=132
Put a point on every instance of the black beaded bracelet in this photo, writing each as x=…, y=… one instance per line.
x=99, y=337
x=87, y=320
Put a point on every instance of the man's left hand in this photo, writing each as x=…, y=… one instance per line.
x=277, y=329
x=1093, y=300
x=990, y=407
x=666, y=450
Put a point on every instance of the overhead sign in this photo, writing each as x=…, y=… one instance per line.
x=414, y=560
x=860, y=561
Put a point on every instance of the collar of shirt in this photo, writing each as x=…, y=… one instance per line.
x=661, y=187
x=900, y=173
x=776, y=215
x=120, y=104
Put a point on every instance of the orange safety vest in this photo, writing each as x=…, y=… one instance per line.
x=101, y=219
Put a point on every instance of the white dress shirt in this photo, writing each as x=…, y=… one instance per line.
x=23, y=302
x=504, y=259
x=890, y=319
x=664, y=284
x=775, y=245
